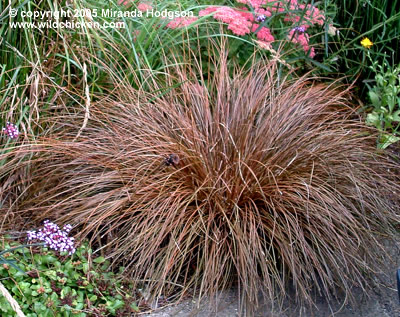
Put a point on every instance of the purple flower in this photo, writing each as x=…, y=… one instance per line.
x=300, y=29
x=261, y=18
x=11, y=130
x=53, y=237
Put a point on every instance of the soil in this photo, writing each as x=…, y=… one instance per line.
x=382, y=301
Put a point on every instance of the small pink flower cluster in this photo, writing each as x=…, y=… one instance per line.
x=244, y=21
x=181, y=22
x=241, y=22
x=302, y=38
x=311, y=16
x=141, y=6
x=11, y=130
x=54, y=238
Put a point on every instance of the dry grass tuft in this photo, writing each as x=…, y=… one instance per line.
x=258, y=179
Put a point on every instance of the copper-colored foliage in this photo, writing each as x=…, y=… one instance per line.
x=276, y=178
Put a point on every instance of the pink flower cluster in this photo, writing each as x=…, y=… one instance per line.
x=241, y=21
x=54, y=238
x=11, y=130
x=181, y=22
x=244, y=21
x=143, y=6
x=311, y=16
x=302, y=38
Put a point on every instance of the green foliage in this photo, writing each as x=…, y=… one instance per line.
x=379, y=20
x=385, y=100
x=46, y=284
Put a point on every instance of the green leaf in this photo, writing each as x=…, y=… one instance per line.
x=396, y=116
x=54, y=297
x=374, y=99
x=100, y=259
x=4, y=305
x=38, y=307
x=19, y=272
x=386, y=140
x=118, y=304
x=135, y=307
x=373, y=119
x=51, y=273
x=85, y=267
x=93, y=298
x=318, y=64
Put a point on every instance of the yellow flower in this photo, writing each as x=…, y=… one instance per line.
x=366, y=42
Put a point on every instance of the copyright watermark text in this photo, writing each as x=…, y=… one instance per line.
x=84, y=18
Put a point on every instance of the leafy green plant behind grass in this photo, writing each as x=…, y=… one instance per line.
x=270, y=179
x=46, y=284
x=385, y=99
x=379, y=20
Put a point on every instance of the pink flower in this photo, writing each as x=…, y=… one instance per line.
x=311, y=16
x=144, y=7
x=208, y=11
x=124, y=2
x=238, y=22
x=227, y=15
x=181, y=22
x=256, y=3
x=302, y=39
x=264, y=12
x=315, y=16
x=246, y=14
x=264, y=34
x=11, y=130
x=312, y=52
x=240, y=27
x=274, y=6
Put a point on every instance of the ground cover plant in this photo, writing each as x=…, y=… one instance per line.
x=49, y=283
x=194, y=189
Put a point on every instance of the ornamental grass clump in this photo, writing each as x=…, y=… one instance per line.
x=259, y=181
